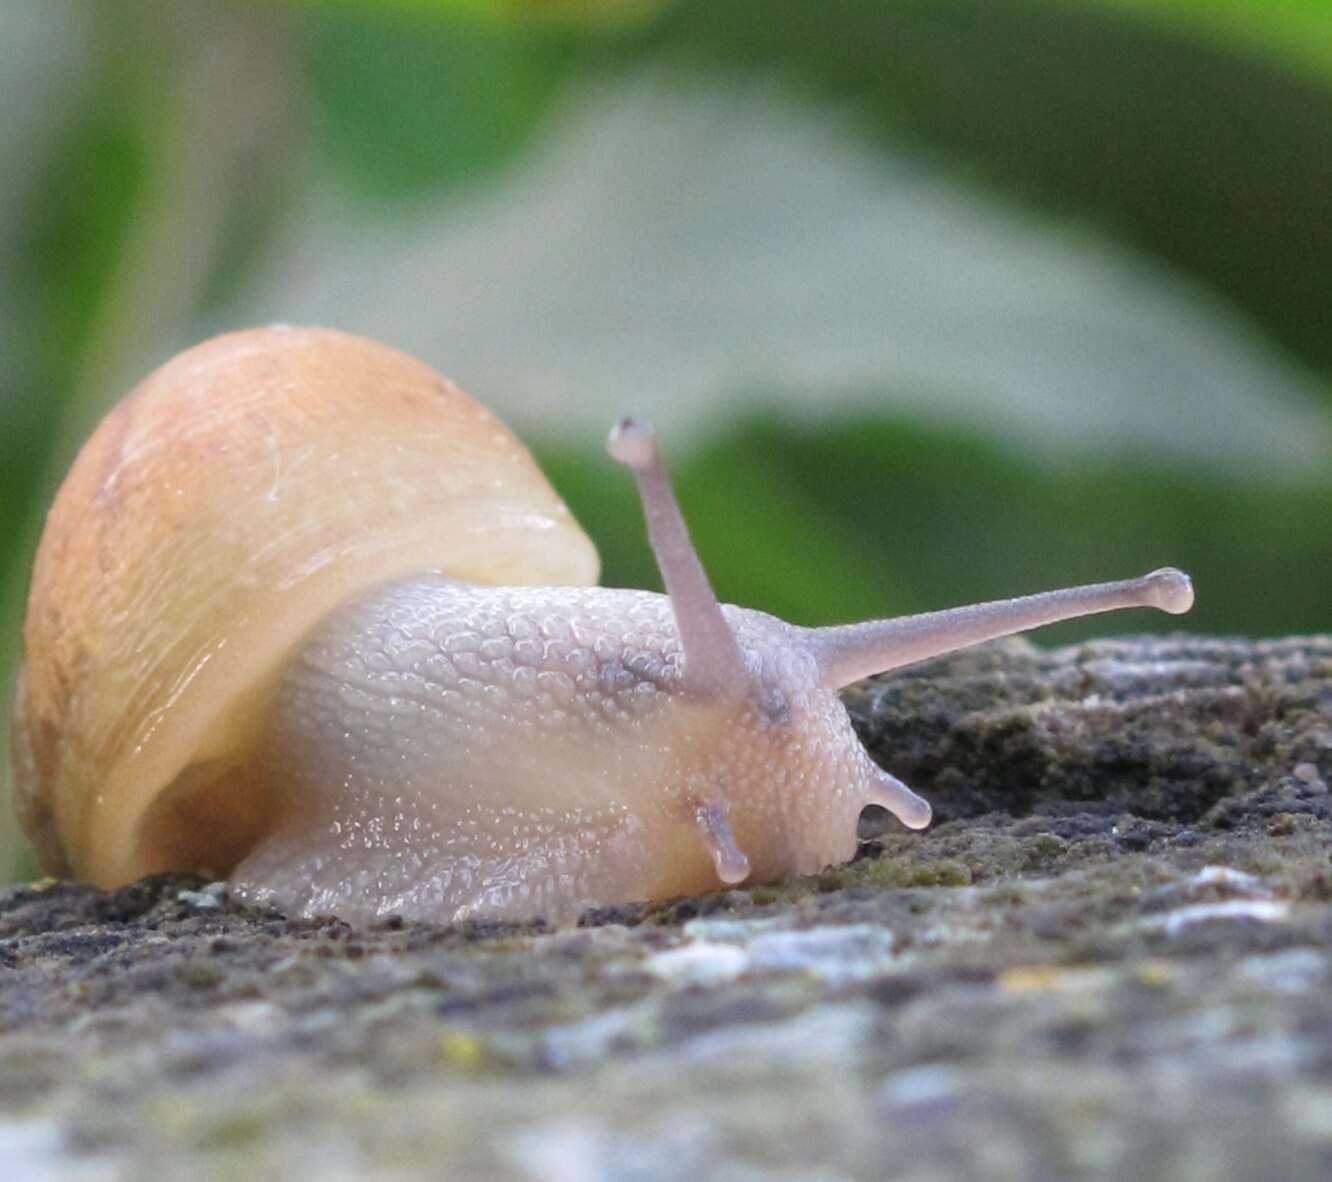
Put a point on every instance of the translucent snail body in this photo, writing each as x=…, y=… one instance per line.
x=306, y=616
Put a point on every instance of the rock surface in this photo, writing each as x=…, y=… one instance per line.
x=1109, y=958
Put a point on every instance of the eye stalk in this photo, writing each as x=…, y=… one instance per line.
x=713, y=665
x=851, y=652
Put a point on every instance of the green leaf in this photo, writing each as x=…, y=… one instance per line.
x=595, y=13
x=1215, y=160
x=404, y=107
x=1295, y=33
x=681, y=246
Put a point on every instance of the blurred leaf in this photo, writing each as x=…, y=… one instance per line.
x=1296, y=32
x=87, y=206
x=64, y=267
x=1217, y=161
x=407, y=106
x=681, y=247
x=532, y=12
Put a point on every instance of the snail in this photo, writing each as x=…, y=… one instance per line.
x=306, y=616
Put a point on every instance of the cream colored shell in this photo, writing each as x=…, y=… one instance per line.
x=236, y=496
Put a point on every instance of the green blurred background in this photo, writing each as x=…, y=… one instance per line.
x=933, y=300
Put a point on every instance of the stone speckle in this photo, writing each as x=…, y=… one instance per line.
x=1109, y=958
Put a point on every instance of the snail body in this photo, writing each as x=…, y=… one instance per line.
x=307, y=616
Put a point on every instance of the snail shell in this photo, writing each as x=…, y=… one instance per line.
x=231, y=501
